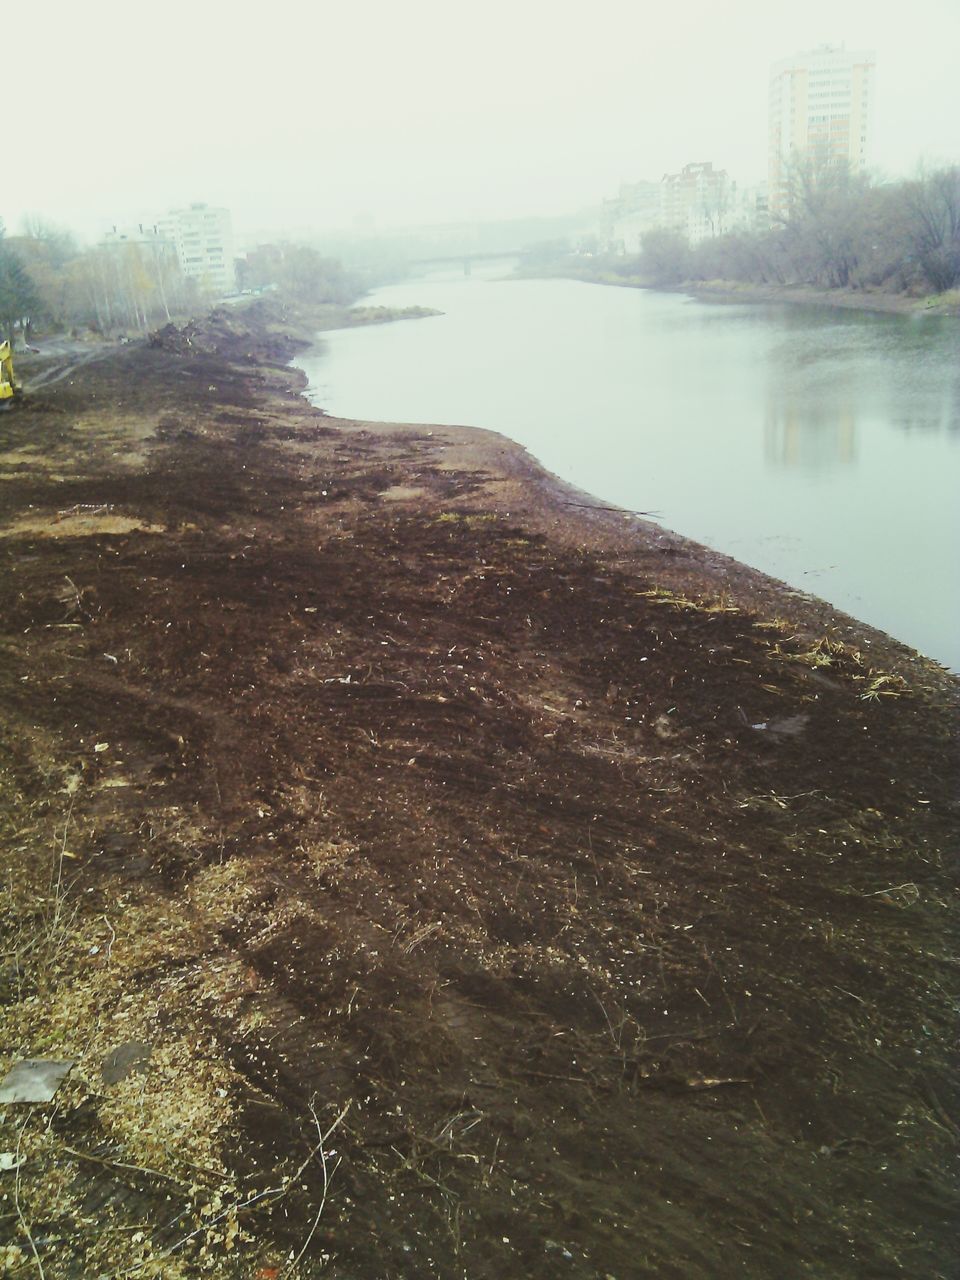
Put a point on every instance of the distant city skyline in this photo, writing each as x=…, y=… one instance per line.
x=379, y=115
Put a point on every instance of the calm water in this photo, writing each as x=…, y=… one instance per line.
x=821, y=446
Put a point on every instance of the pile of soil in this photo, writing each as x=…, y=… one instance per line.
x=429, y=875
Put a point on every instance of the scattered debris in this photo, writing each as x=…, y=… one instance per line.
x=34, y=1080
x=87, y=509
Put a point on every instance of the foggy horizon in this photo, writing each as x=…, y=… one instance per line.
x=381, y=118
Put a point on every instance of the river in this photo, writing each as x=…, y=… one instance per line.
x=821, y=446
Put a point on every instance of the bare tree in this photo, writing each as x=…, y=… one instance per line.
x=932, y=226
x=19, y=302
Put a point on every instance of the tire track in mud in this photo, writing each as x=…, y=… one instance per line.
x=50, y=376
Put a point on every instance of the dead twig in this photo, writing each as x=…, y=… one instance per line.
x=941, y=1111
x=912, y=891
x=623, y=511
x=24, y=1226
x=122, y=1164
x=327, y=1176
x=420, y=935
x=695, y=1083
x=235, y=1208
x=57, y=876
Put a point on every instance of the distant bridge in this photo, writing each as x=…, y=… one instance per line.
x=465, y=259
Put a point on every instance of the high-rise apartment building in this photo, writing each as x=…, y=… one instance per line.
x=203, y=236
x=821, y=108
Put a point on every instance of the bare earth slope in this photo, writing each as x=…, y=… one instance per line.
x=432, y=877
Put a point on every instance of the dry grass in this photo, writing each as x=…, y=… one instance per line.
x=80, y=991
x=661, y=595
x=828, y=652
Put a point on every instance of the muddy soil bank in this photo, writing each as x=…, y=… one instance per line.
x=433, y=873
x=947, y=304
x=944, y=304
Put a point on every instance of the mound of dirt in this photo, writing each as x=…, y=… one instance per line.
x=468, y=884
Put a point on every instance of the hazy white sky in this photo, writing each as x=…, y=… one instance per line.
x=404, y=111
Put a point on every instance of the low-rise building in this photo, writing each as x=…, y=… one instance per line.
x=629, y=216
x=749, y=209
x=698, y=201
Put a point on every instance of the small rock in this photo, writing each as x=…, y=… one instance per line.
x=132, y=1055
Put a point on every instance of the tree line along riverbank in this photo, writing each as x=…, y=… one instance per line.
x=845, y=240
x=424, y=873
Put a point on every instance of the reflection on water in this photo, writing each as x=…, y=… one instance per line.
x=931, y=416
x=812, y=395
x=821, y=446
x=826, y=363
x=813, y=442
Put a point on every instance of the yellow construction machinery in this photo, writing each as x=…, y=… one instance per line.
x=9, y=382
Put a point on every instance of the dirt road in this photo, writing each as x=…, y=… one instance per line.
x=429, y=877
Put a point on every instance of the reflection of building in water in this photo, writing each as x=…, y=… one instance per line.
x=934, y=414
x=797, y=437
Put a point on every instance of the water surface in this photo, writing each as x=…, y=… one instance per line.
x=821, y=446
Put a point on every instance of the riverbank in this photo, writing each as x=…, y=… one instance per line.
x=943, y=304
x=430, y=871
x=315, y=319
